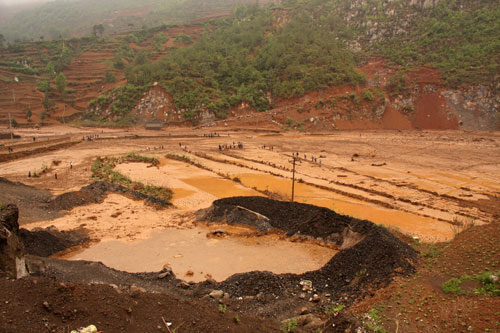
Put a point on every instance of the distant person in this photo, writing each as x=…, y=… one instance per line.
x=71, y=165
x=29, y=174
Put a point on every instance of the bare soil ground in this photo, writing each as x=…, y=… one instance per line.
x=425, y=184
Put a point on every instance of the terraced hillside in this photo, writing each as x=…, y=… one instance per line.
x=93, y=66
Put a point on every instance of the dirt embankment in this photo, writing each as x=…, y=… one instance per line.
x=4, y=157
x=370, y=256
x=36, y=204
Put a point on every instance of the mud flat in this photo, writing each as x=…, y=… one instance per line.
x=198, y=253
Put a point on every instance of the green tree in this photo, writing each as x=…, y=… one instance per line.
x=42, y=117
x=43, y=86
x=13, y=123
x=47, y=102
x=29, y=114
x=110, y=77
x=60, y=82
x=50, y=69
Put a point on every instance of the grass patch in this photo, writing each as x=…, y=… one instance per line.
x=489, y=284
x=372, y=320
x=103, y=170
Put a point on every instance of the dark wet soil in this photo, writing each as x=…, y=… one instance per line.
x=95, y=193
x=39, y=205
x=49, y=241
x=33, y=203
x=41, y=304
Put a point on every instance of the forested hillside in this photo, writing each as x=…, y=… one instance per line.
x=245, y=58
x=301, y=46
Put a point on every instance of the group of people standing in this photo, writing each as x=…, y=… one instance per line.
x=313, y=159
x=235, y=145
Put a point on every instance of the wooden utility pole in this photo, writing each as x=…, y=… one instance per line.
x=10, y=126
x=293, y=176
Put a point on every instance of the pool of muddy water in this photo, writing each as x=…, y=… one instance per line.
x=195, y=254
x=187, y=180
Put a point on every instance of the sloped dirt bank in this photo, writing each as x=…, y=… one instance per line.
x=49, y=241
x=95, y=193
x=370, y=256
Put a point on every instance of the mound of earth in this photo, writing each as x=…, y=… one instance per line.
x=95, y=193
x=37, y=205
x=49, y=241
x=370, y=255
x=32, y=202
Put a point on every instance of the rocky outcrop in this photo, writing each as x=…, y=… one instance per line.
x=11, y=248
x=477, y=107
x=156, y=104
x=234, y=214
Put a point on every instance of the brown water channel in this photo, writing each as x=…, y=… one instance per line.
x=178, y=175
x=195, y=254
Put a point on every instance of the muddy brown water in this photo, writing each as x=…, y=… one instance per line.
x=214, y=186
x=195, y=255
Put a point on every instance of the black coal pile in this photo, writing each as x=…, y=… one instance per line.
x=369, y=257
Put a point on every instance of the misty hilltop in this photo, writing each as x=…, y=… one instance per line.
x=75, y=18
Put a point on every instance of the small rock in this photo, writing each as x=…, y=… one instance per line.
x=307, y=321
x=135, y=290
x=304, y=310
x=115, y=287
x=218, y=233
x=216, y=294
x=183, y=285
x=163, y=275
x=313, y=322
x=316, y=298
x=306, y=285
x=167, y=268
x=211, y=281
x=302, y=295
x=189, y=273
x=46, y=305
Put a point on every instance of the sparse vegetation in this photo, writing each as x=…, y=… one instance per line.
x=289, y=326
x=334, y=309
x=103, y=169
x=222, y=308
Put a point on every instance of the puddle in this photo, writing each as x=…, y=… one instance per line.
x=191, y=251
